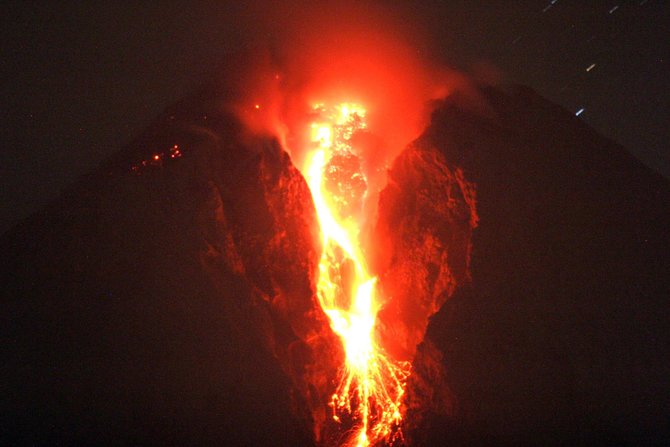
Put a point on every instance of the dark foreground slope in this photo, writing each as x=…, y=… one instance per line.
x=563, y=336
x=130, y=317
x=149, y=306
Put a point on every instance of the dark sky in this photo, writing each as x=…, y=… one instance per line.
x=79, y=80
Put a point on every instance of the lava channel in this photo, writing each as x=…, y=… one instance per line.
x=370, y=385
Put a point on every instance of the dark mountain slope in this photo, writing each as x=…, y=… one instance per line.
x=563, y=336
x=127, y=308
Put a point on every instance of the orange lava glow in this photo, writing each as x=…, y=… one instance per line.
x=344, y=87
x=370, y=385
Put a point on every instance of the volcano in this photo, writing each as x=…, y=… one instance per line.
x=170, y=297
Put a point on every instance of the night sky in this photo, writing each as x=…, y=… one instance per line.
x=79, y=80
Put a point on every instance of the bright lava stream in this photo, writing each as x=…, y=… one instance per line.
x=371, y=385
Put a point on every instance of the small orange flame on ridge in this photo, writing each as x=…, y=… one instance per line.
x=371, y=385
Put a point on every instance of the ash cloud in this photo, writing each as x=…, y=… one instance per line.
x=299, y=54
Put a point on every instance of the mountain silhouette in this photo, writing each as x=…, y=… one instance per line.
x=166, y=298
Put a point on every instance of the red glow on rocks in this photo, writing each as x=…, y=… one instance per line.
x=354, y=56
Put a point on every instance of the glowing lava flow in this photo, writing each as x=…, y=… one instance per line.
x=371, y=385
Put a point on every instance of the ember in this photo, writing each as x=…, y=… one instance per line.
x=156, y=160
